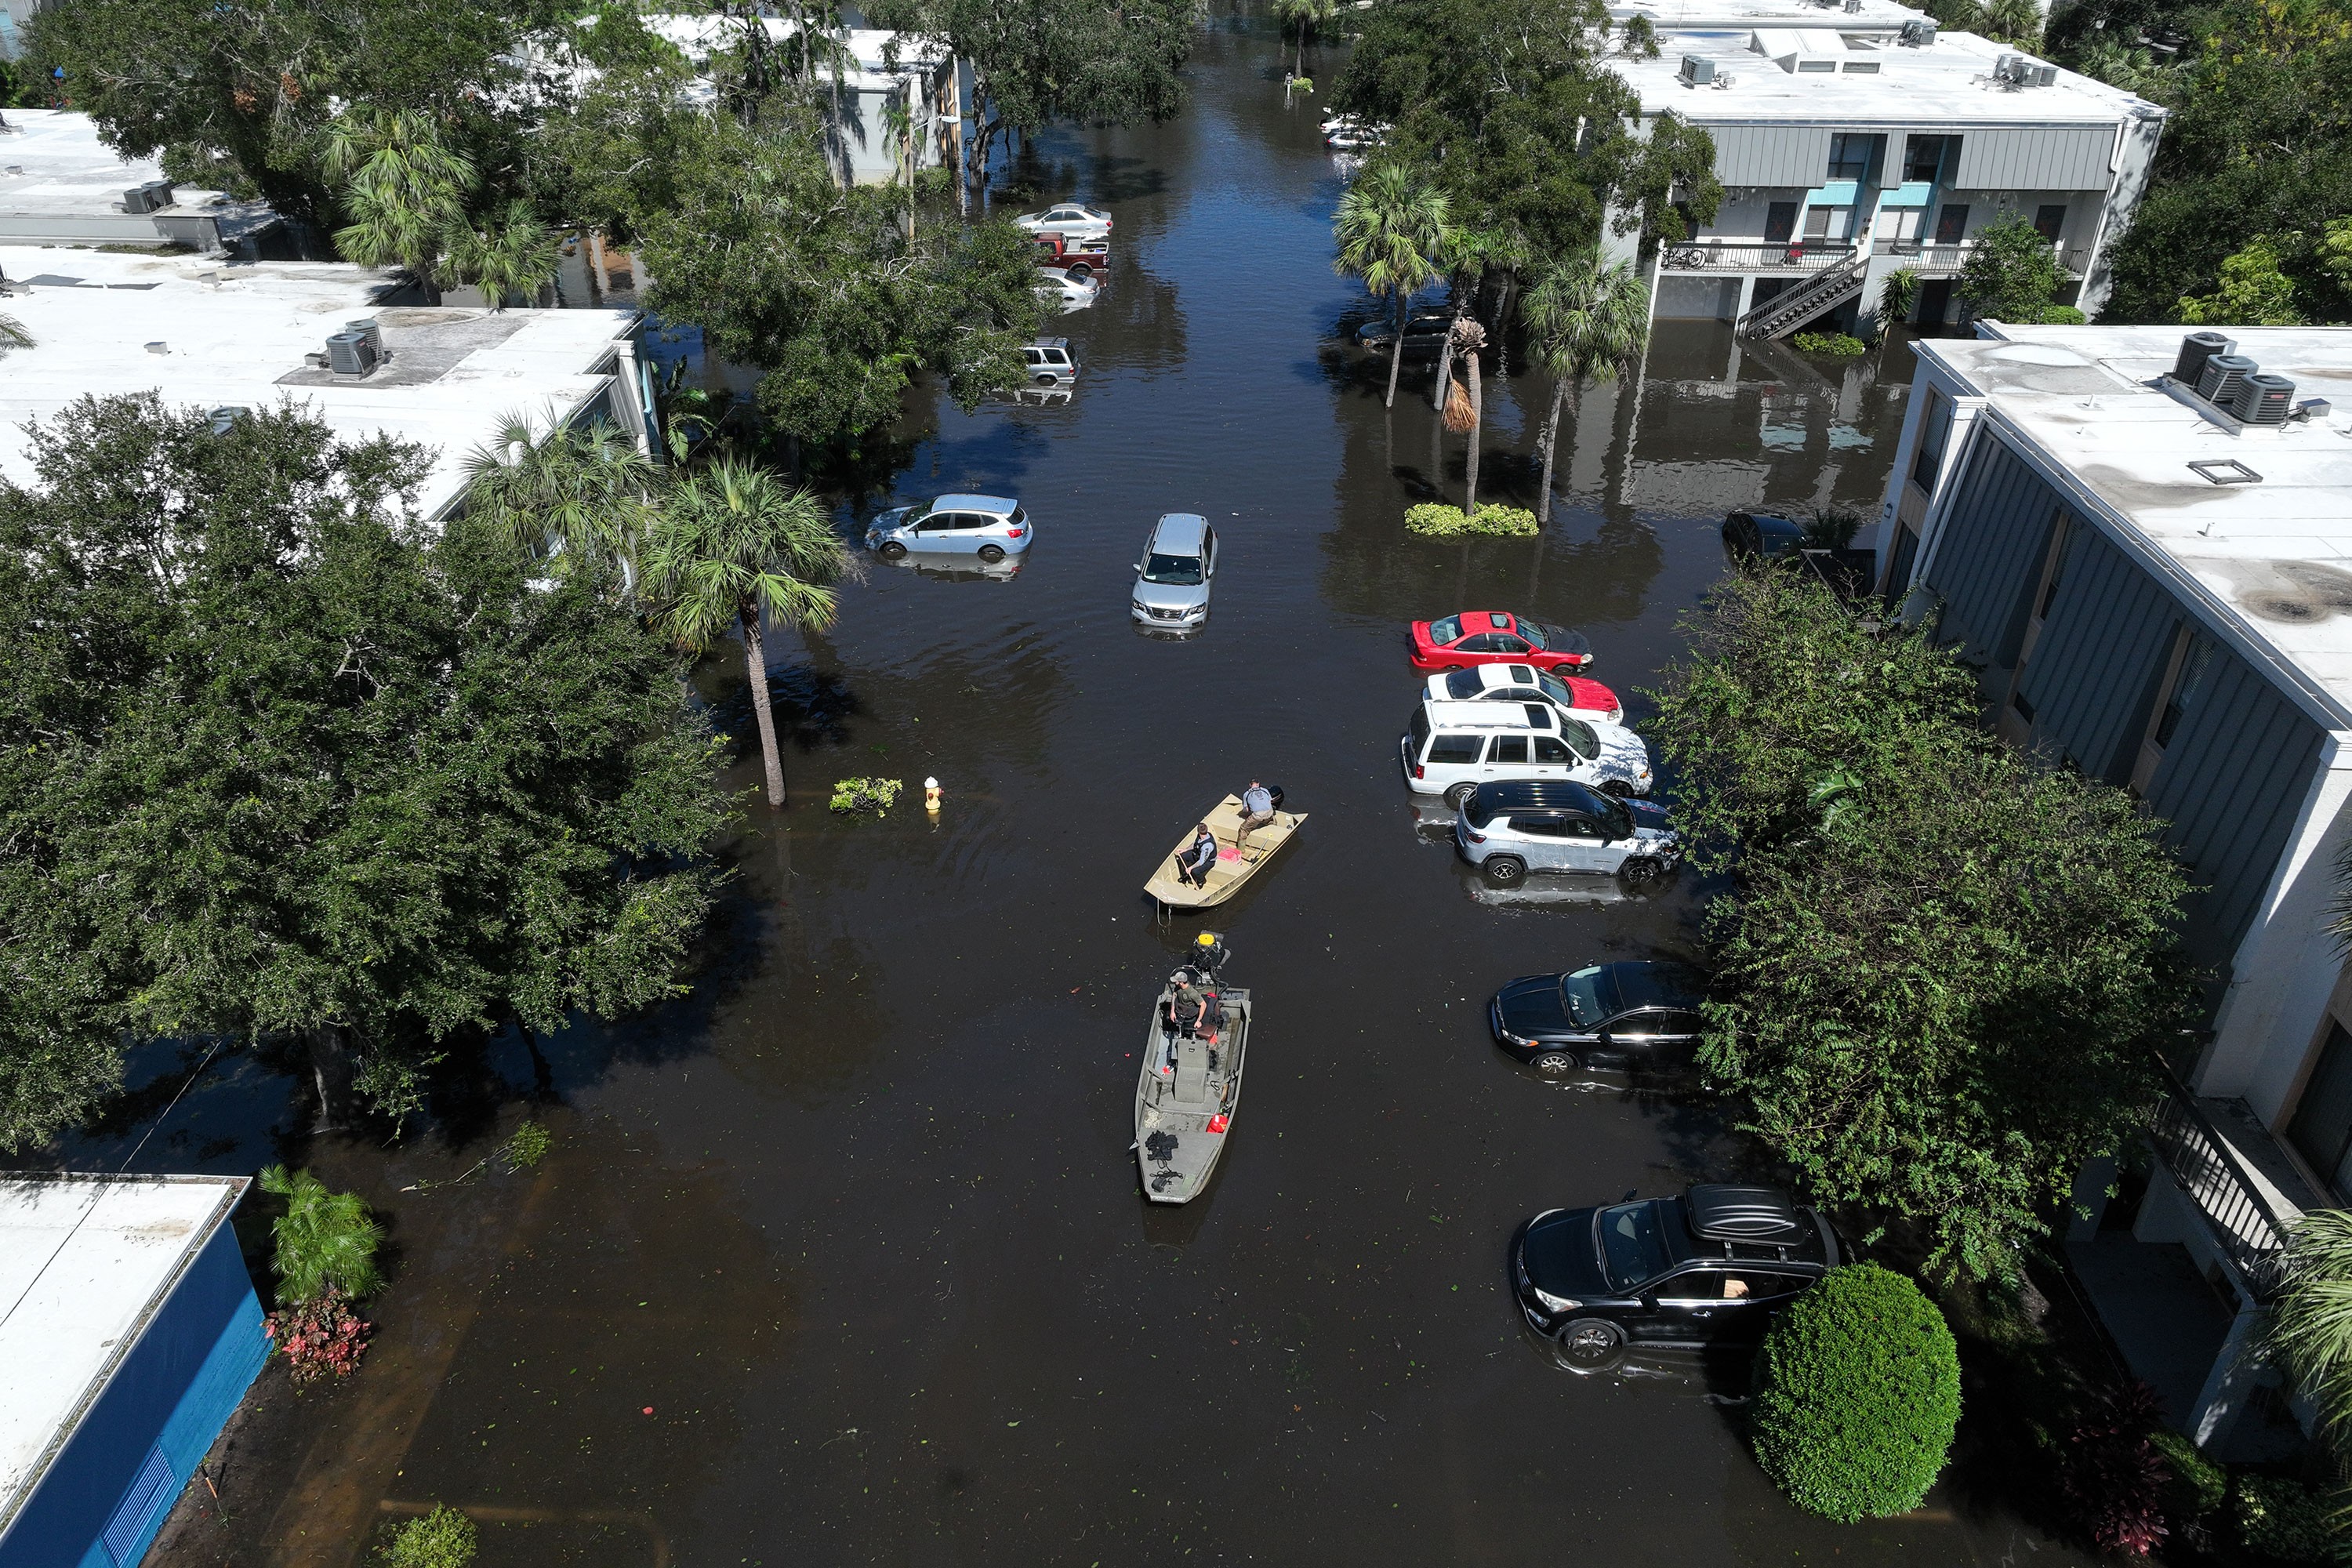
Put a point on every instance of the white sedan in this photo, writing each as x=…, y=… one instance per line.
x=1623, y=764
x=1063, y=292
x=1074, y=219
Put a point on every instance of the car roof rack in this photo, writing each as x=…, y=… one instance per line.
x=1720, y=1212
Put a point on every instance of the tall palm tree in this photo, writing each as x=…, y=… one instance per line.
x=572, y=495
x=404, y=188
x=1301, y=17
x=1585, y=318
x=1393, y=228
x=511, y=253
x=13, y=335
x=1468, y=339
x=732, y=548
x=2310, y=1330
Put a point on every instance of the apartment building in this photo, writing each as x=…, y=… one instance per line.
x=2144, y=544
x=1852, y=143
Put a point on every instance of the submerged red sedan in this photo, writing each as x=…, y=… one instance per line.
x=1496, y=637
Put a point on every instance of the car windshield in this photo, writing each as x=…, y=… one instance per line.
x=1589, y=994
x=1176, y=571
x=1534, y=634
x=1445, y=631
x=1619, y=820
x=1631, y=1248
x=1553, y=686
x=1581, y=739
x=1464, y=684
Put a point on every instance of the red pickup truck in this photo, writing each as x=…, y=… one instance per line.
x=1081, y=258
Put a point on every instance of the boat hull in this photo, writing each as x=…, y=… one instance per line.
x=1239, y=856
x=1186, y=1096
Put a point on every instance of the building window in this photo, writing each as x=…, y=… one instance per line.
x=1924, y=157
x=2049, y=221
x=2322, y=1129
x=1780, y=223
x=1828, y=223
x=1852, y=155
x=1952, y=223
x=1935, y=429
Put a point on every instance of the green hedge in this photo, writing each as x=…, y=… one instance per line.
x=1837, y=345
x=2063, y=316
x=1857, y=1394
x=1435, y=520
x=2283, y=1519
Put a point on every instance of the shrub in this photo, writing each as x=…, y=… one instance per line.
x=2115, y=1476
x=321, y=1338
x=2063, y=316
x=1435, y=520
x=2282, y=1519
x=2198, y=1485
x=1857, y=1394
x=525, y=1147
x=1840, y=345
x=441, y=1539
x=877, y=795
x=326, y=1241
x=1302, y=84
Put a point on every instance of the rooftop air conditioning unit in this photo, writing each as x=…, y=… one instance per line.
x=2263, y=399
x=153, y=196
x=351, y=353
x=2195, y=350
x=1918, y=33
x=2217, y=382
x=2039, y=75
x=371, y=332
x=1698, y=70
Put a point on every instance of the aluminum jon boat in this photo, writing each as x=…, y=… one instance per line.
x=1189, y=1088
x=1238, y=858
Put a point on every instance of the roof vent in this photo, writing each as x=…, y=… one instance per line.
x=1698, y=70
x=1919, y=33
x=2262, y=399
x=351, y=353
x=2217, y=382
x=2195, y=350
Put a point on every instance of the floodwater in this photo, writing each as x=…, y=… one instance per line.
x=843, y=1260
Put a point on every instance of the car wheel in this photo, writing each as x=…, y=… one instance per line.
x=1555, y=1064
x=1641, y=871
x=1590, y=1342
x=1504, y=868
x=1043, y=378
x=891, y=551
x=1617, y=787
x=1458, y=797
x=1082, y=273
x=992, y=552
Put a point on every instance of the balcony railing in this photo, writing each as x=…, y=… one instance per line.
x=1713, y=257
x=2237, y=1204
x=1931, y=258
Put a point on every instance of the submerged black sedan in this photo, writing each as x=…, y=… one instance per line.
x=1707, y=1268
x=1630, y=1014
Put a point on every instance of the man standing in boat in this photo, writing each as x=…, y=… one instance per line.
x=1258, y=810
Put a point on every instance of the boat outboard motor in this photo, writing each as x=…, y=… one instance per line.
x=1209, y=954
x=1276, y=791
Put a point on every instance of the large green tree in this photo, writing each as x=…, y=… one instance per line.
x=1942, y=964
x=1393, y=232
x=279, y=763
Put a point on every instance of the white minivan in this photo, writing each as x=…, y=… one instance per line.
x=1454, y=747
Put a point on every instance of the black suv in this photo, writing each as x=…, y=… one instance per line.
x=1630, y=1015
x=1425, y=333
x=1707, y=1268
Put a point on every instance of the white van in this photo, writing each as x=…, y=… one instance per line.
x=1454, y=747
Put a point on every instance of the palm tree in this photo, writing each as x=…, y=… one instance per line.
x=513, y=253
x=573, y=495
x=1468, y=338
x=2310, y=1330
x=1302, y=17
x=13, y=335
x=731, y=548
x=404, y=189
x=1585, y=318
x=1392, y=228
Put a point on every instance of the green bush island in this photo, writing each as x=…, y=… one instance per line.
x=1840, y=345
x=877, y=795
x=1857, y=1394
x=441, y=1539
x=2063, y=316
x=2198, y=1485
x=1435, y=520
x=2281, y=1518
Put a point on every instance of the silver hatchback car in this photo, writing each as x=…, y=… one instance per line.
x=1178, y=568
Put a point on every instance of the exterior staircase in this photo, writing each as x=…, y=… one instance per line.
x=1793, y=308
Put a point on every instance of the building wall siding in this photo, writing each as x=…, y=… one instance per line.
x=2228, y=788
x=2109, y=624
x=1771, y=154
x=2035, y=159
x=1998, y=525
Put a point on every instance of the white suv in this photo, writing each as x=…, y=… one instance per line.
x=1454, y=747
x=1510, y=828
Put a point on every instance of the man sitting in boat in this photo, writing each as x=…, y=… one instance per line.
x=1192, y=866
x=1257, y=808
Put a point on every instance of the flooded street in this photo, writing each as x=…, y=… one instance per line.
x=841, y=1258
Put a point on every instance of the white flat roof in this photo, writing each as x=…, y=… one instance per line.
x=1948, y=82
x=85, y=1261
x=52, y=164
x=1674, y=15
x=235, y=333
x=2272, y=560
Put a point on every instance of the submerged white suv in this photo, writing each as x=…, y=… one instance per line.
x=1454, y=747
x=1510, y=828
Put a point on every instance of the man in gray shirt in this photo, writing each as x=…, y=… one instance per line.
x=1257, y=807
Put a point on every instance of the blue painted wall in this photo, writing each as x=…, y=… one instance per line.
x=169, y=1399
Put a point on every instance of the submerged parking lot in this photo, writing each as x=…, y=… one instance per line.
x=841, y=1258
